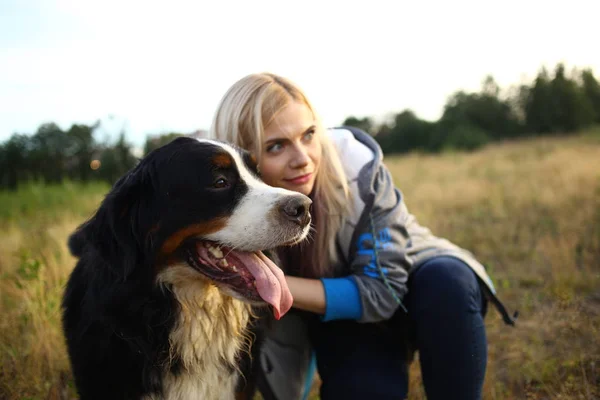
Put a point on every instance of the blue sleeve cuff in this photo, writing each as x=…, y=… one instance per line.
x=342, y=299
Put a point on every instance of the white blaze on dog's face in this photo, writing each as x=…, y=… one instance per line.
x=230, y=216
x=256, y=220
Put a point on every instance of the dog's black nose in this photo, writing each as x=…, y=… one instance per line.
x=297, y=209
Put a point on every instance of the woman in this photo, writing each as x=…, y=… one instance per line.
x=371, y=282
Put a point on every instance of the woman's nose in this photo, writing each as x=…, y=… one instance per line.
x=300, y=158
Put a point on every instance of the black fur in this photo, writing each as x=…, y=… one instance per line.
x=249, y=361
x=116, y=320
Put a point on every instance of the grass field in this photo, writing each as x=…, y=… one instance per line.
x=529, y=210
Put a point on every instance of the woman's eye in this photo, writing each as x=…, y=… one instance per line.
x=275, y=147
x=309, y=135
x=220, y=183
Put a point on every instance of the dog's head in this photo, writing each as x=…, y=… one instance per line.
x=198, y=203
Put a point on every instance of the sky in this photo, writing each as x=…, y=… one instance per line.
x=149, y=67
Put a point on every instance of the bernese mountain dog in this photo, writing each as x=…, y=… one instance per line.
x=169, y=269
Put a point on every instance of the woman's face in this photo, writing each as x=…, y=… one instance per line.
x=291, y=150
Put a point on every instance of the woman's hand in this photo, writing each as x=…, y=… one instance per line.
x=309, y=294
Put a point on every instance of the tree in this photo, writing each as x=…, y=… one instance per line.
x=517, y=101
x=80, y=151
x=591, y=90
x=14, y=161
x=407, y=132
x=483, y=111
x=366, y=124
x=538, y=108
x=571, y=110
x=49, y=157
x=465, y=137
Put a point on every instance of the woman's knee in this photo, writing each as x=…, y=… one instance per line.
x=445, y=282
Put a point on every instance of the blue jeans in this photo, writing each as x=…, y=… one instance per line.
x=444, y=323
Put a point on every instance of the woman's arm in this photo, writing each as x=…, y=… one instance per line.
x=309, y=294
x=379, y=269
x=331, y=298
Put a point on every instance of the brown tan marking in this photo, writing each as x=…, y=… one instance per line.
x=175, y=240
x=222, y=160
x=253, y=159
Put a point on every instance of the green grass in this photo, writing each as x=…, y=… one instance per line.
x=529, y=210
x=35, y=201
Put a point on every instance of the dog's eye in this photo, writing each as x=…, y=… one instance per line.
x=221, y=183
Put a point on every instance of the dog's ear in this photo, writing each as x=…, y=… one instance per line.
x=114, y=232
x=77, y=240
x=89, y=230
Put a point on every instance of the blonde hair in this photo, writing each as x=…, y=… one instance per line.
x=244, y=112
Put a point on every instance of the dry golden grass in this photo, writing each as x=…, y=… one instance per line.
x=529, y=210
x=34, y=266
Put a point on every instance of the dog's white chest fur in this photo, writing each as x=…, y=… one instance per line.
x=191, y=386
x=206, y=339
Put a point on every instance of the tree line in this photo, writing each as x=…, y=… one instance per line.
x=52, y=155
x=557, y=103
x=553, y=104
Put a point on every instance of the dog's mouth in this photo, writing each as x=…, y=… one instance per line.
x=250, y=275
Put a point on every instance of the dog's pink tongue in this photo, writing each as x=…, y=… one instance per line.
x=270, y=281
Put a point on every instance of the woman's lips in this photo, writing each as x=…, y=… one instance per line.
x=299, y=180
